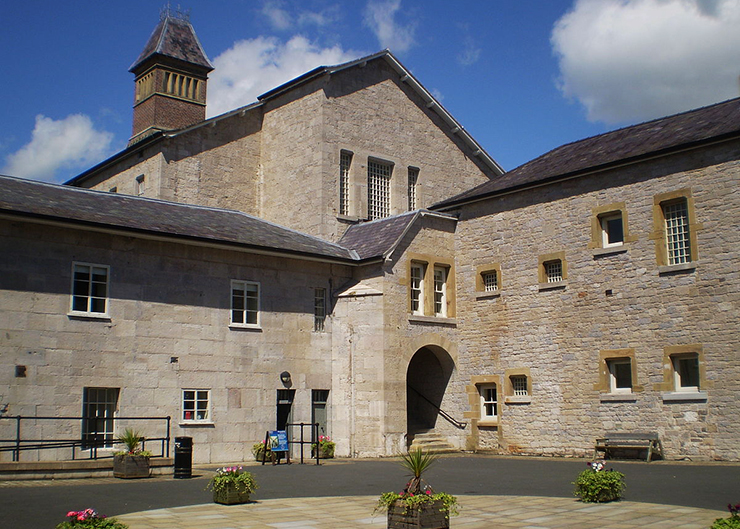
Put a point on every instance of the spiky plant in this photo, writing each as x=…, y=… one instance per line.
x=417, y=462
x=131, y=438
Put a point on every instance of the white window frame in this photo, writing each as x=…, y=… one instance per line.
x=606, y=230
x=488, y=401
x=244, y=310
x=417, y=288
x=193, y=405
x=612, y=365
x=679, y=373
x=440, y=291
x=319, y=309
x=378, y=189
x=677, y=231
x=412, y=183
x=92, y=294
x=345, y=162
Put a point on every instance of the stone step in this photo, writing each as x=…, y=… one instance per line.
x=430, y=441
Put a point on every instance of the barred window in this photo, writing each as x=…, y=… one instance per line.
x=413, y=180
x=676, y=215
x=378, y=189
x=345, y=160
x=319, y=309
x=490, y=281
x=519, y=385
x=553, y=271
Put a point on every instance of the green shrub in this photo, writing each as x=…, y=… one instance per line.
x=733, y=522
x=596, y=485
x=90, y=519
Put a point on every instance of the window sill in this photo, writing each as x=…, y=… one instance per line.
x=488, y=295
x=348, y=218
x=488, y=422
x=197, y=424
x=237, y=327
x=683, y=267
x=518, y=400
x=438, y=320
x=618, y=397
x=609, y=250
x=89, y=316
x=685, y=396
x=553, y=286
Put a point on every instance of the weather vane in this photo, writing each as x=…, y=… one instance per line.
x=179, y=13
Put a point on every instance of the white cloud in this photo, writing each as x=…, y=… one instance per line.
x=252, y=67
x=283, y=17
x=276, y=15
x=380, y=18
x=470, y=53
x=71, y=142
x=632, y=60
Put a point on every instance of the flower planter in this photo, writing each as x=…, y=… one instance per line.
x=128, y=466
x=323, y=453
x=429, y=515
x=230, y=496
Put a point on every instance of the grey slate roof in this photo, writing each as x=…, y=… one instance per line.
x=99, y=209
x=174, y=37
x=629, y=144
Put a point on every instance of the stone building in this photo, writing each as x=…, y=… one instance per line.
x=343, y=252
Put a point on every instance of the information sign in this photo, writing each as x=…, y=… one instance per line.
x=278, y=441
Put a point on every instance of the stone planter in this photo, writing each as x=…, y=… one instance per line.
x=230, y=496
x=324, y=453
x=128, y=466
x=429, y=516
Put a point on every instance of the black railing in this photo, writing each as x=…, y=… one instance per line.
x=85, y=445
x=449, y=418
x=301, y=440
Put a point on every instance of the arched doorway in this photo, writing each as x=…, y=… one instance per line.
x=428, y=374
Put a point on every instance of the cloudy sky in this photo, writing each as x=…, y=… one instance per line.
x=522, y=76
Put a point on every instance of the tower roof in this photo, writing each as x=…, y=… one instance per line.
x=175, y=38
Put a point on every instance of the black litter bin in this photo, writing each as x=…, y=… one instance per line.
x=183, y=457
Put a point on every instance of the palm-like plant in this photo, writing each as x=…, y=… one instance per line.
x=131, y=438
x=417, y=462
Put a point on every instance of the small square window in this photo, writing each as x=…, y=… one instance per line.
x=612, y=230
x=490, y=281
x=519, y=385
x=196, y=405
x=553, y=271
x=488, y=402
x=620, y=375
x=686, y=372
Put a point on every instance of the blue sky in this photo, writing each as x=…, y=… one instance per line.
x=522, y=76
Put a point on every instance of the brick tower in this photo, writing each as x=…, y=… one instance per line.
x=171, y=76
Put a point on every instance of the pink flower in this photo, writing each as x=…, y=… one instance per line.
x=429, y=492
x=72, y=514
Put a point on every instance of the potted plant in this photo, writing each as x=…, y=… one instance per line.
x=733, y=522
x=418, y=506
x=596, y=485
x=258, y=449
x=325, y=447
x=89, y=519
x=232, y=485
x=132, y=462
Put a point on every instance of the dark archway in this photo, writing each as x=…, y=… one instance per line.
x=427, y=377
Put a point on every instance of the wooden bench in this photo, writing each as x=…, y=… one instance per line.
x=629, y=441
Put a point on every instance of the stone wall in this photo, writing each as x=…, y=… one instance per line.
x=168, y=330
x=612, y=301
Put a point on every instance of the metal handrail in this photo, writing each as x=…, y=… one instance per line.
x=440, y=411
x=18, y=444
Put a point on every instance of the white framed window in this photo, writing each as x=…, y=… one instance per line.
x=319, y=309
x=417, y=288
x=412, y=183
x=553, y=271
x=196, y=405
x=678, y=243
x=686, y=372
x=90, y=289
x=490, y=281
x=345, y=161
x=99, y=407
x=245, y=303
x=612, y=229
x=378, y=189
x=519, y=385
x=140, y=185
x=440, y=291
x=620, y=375
x=488, y=402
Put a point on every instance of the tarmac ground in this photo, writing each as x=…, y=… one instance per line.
x=493, y=491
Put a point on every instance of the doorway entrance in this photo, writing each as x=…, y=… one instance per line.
x=428, y=374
